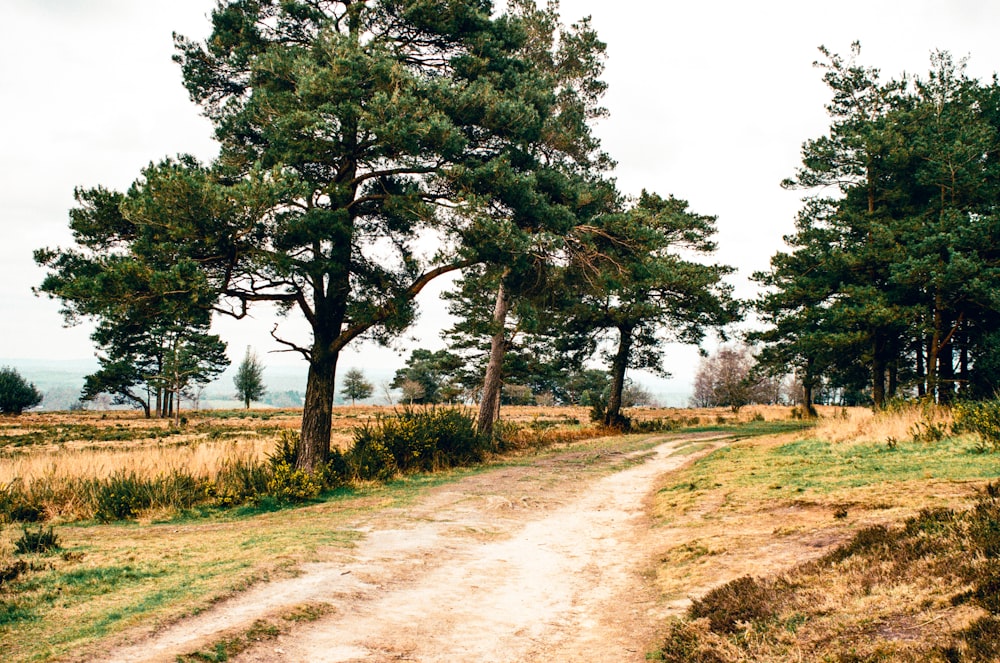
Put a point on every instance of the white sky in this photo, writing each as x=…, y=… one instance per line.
x=709, y=101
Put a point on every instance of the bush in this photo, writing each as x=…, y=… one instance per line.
x=982, y=418
x=36, y=542
x=238, y=481
x=687, y=642
x=12, y=571
x=288, y=484
x=125, y=494
x=16, y=394
x=415, y=440
x=736, y=603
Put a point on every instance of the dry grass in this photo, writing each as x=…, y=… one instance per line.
x=82, y=445
x=198, y=458
x=134, y=577
x=763, y=507
x=858, y=424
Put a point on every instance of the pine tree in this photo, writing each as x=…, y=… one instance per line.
x=355, y=386
x=249, y=379
x=16, y=393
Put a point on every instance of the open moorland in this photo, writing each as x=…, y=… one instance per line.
x=712, y=537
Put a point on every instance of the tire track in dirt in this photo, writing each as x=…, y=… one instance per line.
x=536, y=563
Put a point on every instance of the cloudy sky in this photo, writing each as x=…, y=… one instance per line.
x=709, y=101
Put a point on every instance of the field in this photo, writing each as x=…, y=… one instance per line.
x=756, y=507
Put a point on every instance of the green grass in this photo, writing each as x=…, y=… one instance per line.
x=753, y=428
x=816, y=467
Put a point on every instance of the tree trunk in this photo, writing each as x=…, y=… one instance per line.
x=878, y=372
x=946, y=373
x=317, y=411
x=921, y=384
x=963, y=367
x=613, y=415
x=489, y=403
x=808, y=384
x=933, y=352
x=893, y=378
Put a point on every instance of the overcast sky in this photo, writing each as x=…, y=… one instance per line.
x=709, y=101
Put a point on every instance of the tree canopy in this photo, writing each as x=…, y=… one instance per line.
x=894, y=280
x=249, y=379
x=138, y=272
x=16, y=393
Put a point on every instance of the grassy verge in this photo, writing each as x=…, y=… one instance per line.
x=765, y=514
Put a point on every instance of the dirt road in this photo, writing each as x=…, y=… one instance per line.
x=543, y=562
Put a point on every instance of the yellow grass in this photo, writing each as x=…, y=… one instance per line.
x=146, y=461
x=210, y=439
x=858, y=424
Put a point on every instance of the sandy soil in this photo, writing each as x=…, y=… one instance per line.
x=547, y=562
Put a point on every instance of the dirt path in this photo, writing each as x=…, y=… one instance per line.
x=543, y=562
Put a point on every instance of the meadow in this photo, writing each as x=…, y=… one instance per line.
x=785, y=491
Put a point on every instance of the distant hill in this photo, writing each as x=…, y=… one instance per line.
x=61, y=381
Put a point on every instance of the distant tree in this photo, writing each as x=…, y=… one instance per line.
x=435, y=372
x=727, y=379
x=413, y=391
x=356, y=387
x=635, y=394
x=249, y=379
x=517, y=394
x=140, y=279
x=16, y=394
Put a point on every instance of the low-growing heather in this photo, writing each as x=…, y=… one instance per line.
x=928, y=590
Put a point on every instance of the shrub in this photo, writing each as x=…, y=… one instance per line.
x=658, y=425
x=982, y=418
x=370, y=457
x=12, y=571
x=238, y=481
x=685, y=642
x=291, y=485
x=415, y=440
x=737, y=602
x=16, y=394
x=36, y=542
x=122, y=496
x=928, y=431
x=982, y=638
x=125, y=494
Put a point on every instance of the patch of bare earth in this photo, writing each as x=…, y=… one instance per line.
x=545, y=562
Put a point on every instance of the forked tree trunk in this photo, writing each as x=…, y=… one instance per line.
x=489, y=403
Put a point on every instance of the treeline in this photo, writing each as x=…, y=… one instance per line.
x=891, y=283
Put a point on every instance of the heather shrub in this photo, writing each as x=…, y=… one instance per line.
x=736, y=603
